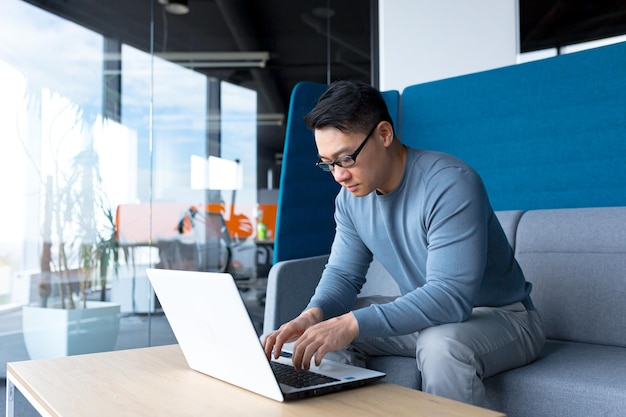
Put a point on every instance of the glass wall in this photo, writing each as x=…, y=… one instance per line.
x=133, y=138
x=107, y=148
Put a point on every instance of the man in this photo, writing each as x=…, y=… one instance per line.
x=465, y=311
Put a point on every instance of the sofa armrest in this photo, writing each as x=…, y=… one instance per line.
x=290, y=285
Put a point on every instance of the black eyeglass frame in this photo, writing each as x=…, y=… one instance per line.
x=341, y=161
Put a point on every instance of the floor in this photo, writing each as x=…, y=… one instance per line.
x=135, y=331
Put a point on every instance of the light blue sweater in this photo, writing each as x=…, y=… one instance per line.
x=437, y=236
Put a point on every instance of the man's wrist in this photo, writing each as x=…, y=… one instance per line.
x=353, y=324
x=314, y=314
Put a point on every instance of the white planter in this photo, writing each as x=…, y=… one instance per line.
x=53, y=332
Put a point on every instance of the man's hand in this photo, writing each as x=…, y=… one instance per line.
x=288, y=332
x=324, y=337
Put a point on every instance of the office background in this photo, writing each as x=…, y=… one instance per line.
x=149, y=92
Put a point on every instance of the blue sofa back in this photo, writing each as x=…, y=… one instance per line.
x=305, y=197
x=545, y=134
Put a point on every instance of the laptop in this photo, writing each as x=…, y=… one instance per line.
x=211, y=324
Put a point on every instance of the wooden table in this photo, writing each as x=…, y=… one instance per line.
x=157, y=382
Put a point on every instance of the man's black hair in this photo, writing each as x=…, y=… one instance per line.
x=350, y=106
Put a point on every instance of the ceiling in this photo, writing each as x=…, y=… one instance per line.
x=295, y=35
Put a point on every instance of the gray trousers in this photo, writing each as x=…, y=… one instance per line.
x=455, y=358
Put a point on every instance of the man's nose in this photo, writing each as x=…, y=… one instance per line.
x=340, y=173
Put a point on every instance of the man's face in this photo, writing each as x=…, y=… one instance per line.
x=364, y=176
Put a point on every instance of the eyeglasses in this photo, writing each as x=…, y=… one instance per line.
x=344, y=161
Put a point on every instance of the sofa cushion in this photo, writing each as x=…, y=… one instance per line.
x=379, y=282
x=575, y=259
x=401, y=370
x=568, y=379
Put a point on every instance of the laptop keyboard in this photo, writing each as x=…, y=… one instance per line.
x=287, y=374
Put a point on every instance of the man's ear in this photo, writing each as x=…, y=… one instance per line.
x=385, y=130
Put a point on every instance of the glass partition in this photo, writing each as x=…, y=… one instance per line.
x=115, y=159
x=65, y=165
x=131, y=138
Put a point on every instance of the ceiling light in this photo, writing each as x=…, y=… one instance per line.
x=175, y=6
x=217, y=59
x=196, y=60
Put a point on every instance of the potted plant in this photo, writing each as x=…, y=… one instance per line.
x=79, y=250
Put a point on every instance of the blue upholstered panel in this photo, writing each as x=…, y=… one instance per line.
x=304, y=219
x=545, y=134
x=392, y=99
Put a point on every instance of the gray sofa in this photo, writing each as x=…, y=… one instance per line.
x=576, y=261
